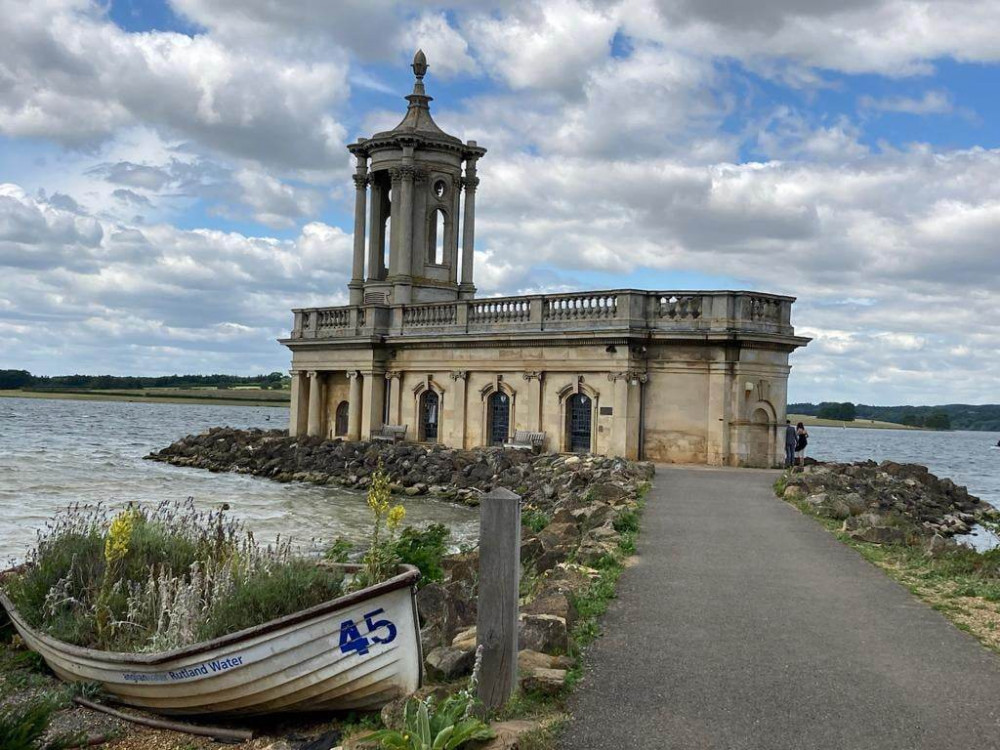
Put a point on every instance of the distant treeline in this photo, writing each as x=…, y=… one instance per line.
x=11, y=379
x=944, y=417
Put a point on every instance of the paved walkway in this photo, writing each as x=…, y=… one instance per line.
x=747, y=625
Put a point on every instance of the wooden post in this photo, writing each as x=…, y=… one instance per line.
x=499, y=576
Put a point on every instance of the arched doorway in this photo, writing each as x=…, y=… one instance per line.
x=429, y=413
x=498, y=415
x=759, y=443
x=340, y=421
x=579, y=410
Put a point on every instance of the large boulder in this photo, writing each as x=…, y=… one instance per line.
x=551, y=601
x=545, y=633
x=879, y=535
x=446, y=663
x=544, y=681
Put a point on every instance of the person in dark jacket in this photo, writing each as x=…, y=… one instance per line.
x=791, y=438
x=801, y=441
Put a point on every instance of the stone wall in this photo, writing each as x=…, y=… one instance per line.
x=690, y=403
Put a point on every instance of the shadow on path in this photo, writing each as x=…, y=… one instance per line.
x=745, y=624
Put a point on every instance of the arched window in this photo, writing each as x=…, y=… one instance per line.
x=429, y=415
x=436, y=237
x=340, y=423
x=498, y=417
x=579, y=412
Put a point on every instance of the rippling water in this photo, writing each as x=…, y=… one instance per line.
x=54, y=452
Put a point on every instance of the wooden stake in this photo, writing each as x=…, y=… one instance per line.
x=499, y=576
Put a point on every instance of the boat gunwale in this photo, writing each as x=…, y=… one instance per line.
x=406, y=579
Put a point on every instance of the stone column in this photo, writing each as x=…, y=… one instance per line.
x=626, y=403
x=719, y=413
x=354, y=406
x=394, y=383
x=315, y=426
x=533, y=411
x=402, y=288
x=459, y=407
x=298, y=408
x=376, y=228
x=456, y=207
x=357, y=282
x=372, y=400
x=467, y=289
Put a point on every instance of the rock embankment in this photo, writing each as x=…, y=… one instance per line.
x=886, y=502
x=462, y=475
x=581, y=508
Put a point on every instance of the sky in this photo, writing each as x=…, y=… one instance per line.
x=174, y=178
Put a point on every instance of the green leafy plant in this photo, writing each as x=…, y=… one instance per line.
x=428, y=725
x=424, y=548
x=534, y=519
x=339, y=550
x=24, y=727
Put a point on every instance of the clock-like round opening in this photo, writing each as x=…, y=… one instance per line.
x=440, y=188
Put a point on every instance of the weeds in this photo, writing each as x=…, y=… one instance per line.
x=25, y=726
x=160, y=578
x=424, y=548
x=534, y=519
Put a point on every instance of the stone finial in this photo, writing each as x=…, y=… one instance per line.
x=420, y=65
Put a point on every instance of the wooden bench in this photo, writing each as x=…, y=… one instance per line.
x=526, y=440
x=390, y=433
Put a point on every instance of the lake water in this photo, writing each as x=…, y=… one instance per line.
x=55, y=452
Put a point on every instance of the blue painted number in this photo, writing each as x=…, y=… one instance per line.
x=351, y=639
x=390, y=629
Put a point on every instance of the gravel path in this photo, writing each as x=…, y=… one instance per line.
x=746, y=625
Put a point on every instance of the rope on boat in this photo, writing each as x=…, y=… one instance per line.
x=218, y=733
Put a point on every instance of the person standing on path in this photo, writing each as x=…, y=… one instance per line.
x=791, y=438
x=801, y=441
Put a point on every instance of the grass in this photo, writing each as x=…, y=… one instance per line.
x=960, y=583
x=861, y=424
x=225, y=397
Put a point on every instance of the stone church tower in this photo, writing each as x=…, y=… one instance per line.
x=414, y=176
x=678, y=376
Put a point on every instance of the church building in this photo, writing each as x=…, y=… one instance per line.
x=670, y=376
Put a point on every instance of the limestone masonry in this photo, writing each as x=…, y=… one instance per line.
x=674, y=376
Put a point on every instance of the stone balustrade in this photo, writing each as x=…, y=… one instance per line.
x=608, y=311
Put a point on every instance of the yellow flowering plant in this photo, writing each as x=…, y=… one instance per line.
x=116, y=546
x=380, y=560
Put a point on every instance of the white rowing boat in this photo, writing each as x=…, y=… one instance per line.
x=358, y=651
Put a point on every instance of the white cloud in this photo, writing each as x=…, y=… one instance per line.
x=276, y=203
x=931, y=103
x=69, y=74
x=546, y=45
x=890, y=37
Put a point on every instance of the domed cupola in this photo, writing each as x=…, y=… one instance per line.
x=415, y=175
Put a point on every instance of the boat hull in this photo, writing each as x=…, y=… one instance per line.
x=359, y=652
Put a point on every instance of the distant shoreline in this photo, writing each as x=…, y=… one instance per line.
x=857, y=424
x=162, y=396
